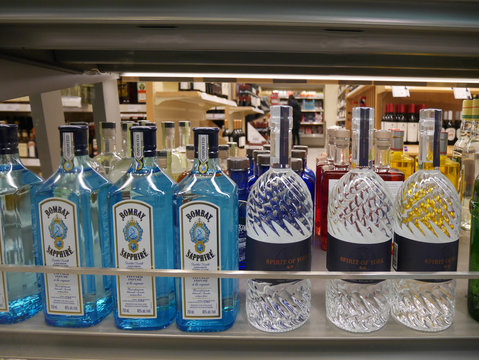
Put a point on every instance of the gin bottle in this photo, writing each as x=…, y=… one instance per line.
x=122, y=166
x=249, y=154
x=264, y=161
x=206, y=227
x=107, y=159
x=360, y=230
x=426, y=237
x=73, y=230
x=19, y=292
x=143, y=238
x=279, y=228
x=178, y=159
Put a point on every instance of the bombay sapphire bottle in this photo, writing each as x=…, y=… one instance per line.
x=426, y=236
x=279, y=227
x=238, y=172
x=73, y=230
x=206, y=227
x=19, y=292
x=143, y=238
x=360, y=231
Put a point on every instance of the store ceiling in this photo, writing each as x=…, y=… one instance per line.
x=382, y=38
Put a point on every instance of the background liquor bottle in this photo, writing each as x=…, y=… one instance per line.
x=19, y=292
x=238, y=172
x=238, y=136
x=223, y=155
x=184, y=132
x=143, y=302
x=412, y=124
x=401, y=120
x=178, y=159
x=249, y=154
x=233, y=146
x=108, y=157
x=470, y=165
x=450, y=127
x=281, y=233
x=73, y=230
x=473, y=284
x=426, y=237
x=252, y=179
x=307, y=170
x=330, y=174
x=190, y=157
x=400, y=160
x=267, y=147
x=164, y=161
x=448, y=167
x=226, y=135
x=393, y=177
x=264, y=161
x=122, y=166
x=212, y=238
x=387, y=121
x=32, y=145
x=356, y=232
x=310, y=182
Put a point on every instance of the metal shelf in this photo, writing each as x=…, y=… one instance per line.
x=312, y=123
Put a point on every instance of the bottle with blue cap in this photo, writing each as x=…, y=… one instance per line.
x=360, y=231
x=73, y=230
x=279, y=229
x=19, y=292
x=206, y=226
x=426, y=236
x=143, y=237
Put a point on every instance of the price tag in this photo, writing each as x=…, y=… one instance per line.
x=400, y=91
x=462, y=93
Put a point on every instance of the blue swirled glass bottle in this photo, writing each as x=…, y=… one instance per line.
x=143, y=238
x=360, y=230
x=19, y=292
x=279, y=228
x=73, y=230
x=206, y=227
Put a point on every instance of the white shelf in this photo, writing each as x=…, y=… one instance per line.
x=312, y=123
x=316, y=136
x=22, y=107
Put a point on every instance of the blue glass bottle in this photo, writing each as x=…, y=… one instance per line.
x=19, y=292
x=252, y=178
x=73, y=230
x=206, y=226
x=310, y=181
x=249, y=154
x=307, y=170
x=143, y=238
x=238, y=172
x=263, y=163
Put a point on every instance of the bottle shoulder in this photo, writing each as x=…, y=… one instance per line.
x=152, y=182
x=214, y=185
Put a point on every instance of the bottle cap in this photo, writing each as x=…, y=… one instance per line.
x=264, y=159
x=267, y=147
x=363, y=135
x=341, y=137
x=206, y=143
x=126, y=124
x=411, y=109
x=238, y=163
x=297, y=153
x=397, y=139
x=301, y=147
x=250, y=149
x=223, y=151
x=443, y=143
x=143, y=141
x=475, y=109
x=183, y=123
x=107, y=125
x=430, y=125
x=76, y=137
x=8, y=138
x=296, y=164
x=167, y=124
x=467, y=109
x=383, y=138
x=279, y=112
x=401, y=109
x=257, y=152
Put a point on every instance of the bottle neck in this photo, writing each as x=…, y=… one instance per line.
x=262, y=168
x=76, y=163
x=108, y=144
x=280, y=139
x=126, y=142
x=146, y=164
x=429, y=145
x=168, y=138
x=240, y=177
x=341, y=156
x=6, y=159
x=184, y=133
x=382, y=161
x=330, y=150
x=213, y=167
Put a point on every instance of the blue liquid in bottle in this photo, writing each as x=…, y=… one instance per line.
x=145, y=190
x=206, y=226
x=306, y=174
x=73, y=230
x=19, y=292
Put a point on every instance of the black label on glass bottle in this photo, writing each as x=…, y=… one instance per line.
x=412, y=255
x=242, y=233
x=347, y=256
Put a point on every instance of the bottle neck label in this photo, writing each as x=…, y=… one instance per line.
x=200, y=249
x=59, y=236
x=133, y=236
x=412, y=255
x=242, y=233
x=3, y=280
x=203, y=148
x=348, y=256
x=68, y=151
x=138, y=149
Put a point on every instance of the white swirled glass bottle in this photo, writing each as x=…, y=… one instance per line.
x=426, y=236
x=279, y=227
x=360, y=231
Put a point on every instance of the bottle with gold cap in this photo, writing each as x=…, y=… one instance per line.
x=400, y=160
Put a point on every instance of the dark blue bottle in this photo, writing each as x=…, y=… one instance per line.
x=238, y=172
x=309, y=180
x=264, y=161
x=252, y=178
x=249, y=154
x=307, y=170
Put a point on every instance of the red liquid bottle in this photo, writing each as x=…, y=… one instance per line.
x=330, y=174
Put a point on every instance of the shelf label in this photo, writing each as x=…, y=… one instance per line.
x=461, y=93
x=59, y=236
x=400, y=91
x=3, y=281
x=133, y=236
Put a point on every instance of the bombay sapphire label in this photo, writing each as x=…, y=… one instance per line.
x=242, y=231
x=68, y=151
x=412, y=255
x=59, y=235
x=133, y=236
x=203, y=148
x=138, y=149
x=3, y=281
x=200, y=250
x=348, y=256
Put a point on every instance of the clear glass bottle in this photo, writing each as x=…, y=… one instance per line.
x=463, y=139
x=184, y=129
x=238, y=172
x=279, y=226
x=360, y=231
x=206, y=227
x=73, y=229
x=164, y=161
x=426, y=237
x=223, y=154
x=19, y=292
x=400, y=160
x=190, y=157
x=126, y=140
x=105, y=162
x=329, y=176
x=310, y=182
x=143, y=238
x=448, y=167
x=178, y=159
